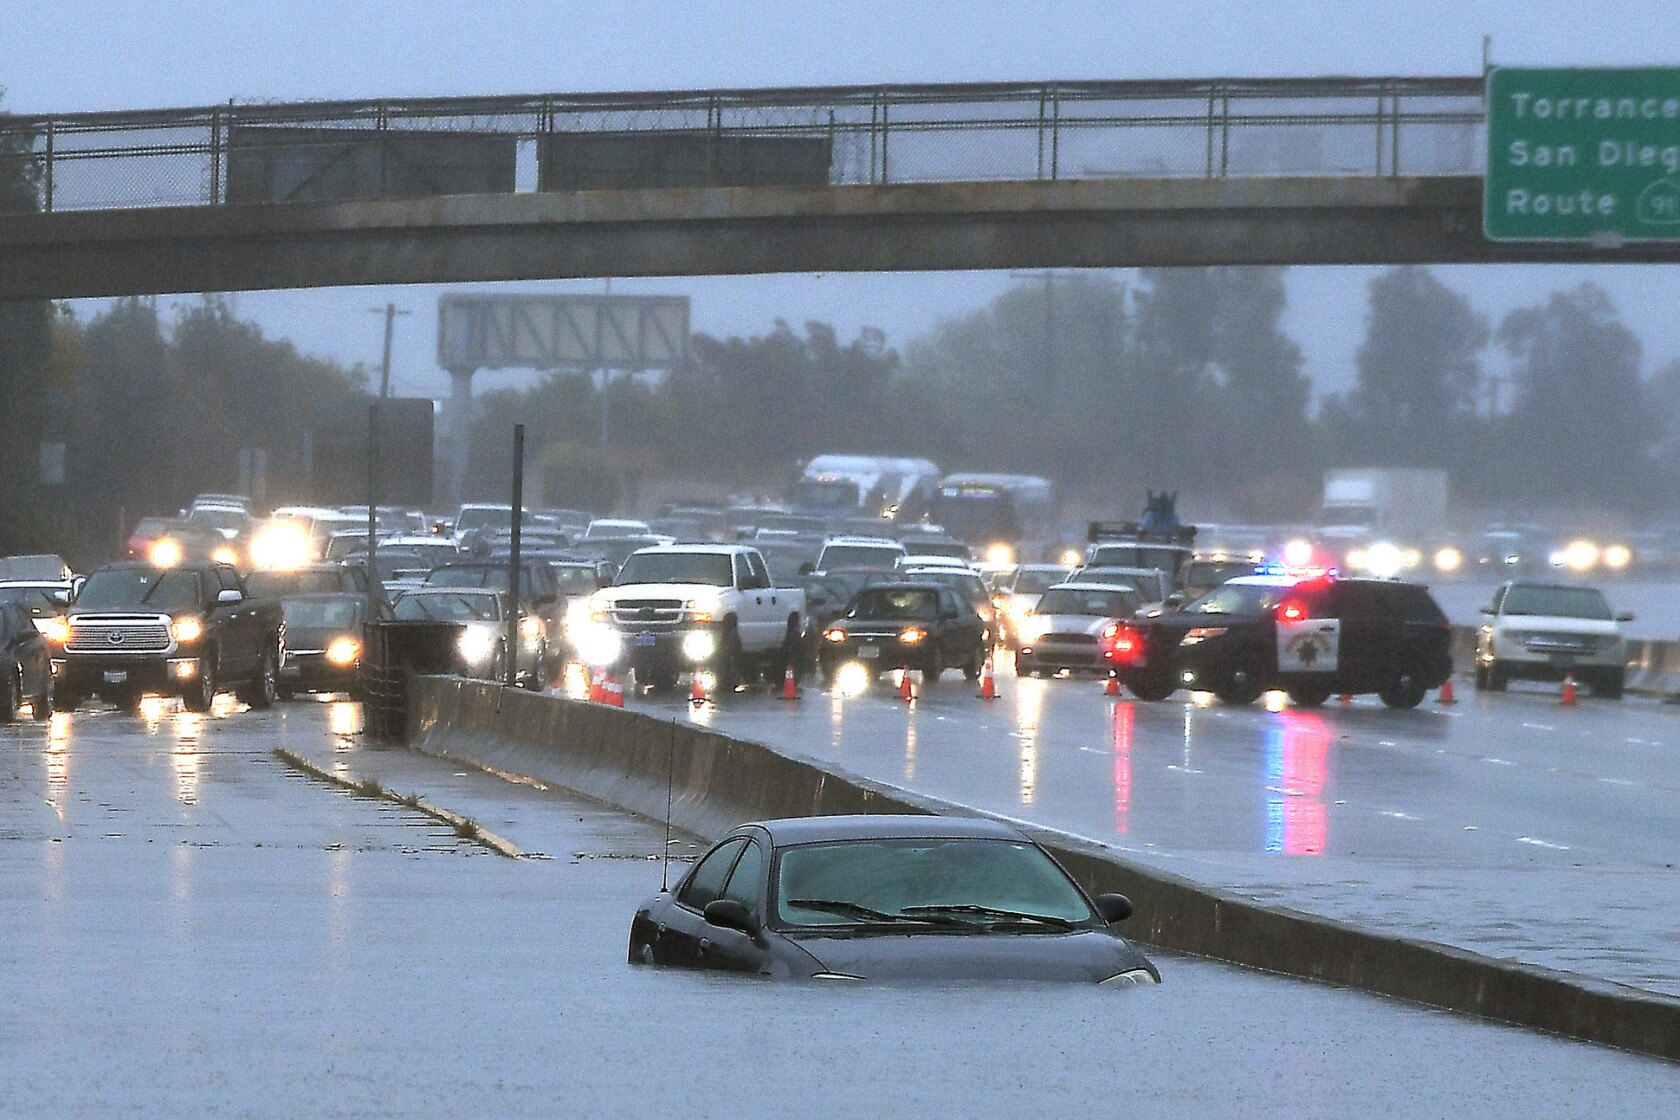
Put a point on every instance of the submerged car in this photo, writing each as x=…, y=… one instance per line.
x=887, y=898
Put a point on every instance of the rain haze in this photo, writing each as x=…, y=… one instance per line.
x=124, y=55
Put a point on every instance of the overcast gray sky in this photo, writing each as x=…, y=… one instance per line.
x=68, y=55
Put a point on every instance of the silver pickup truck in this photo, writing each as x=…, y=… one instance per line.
x=691, y=608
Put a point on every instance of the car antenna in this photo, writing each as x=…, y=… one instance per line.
x=670, y=780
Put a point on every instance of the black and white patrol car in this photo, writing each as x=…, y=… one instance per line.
x=1311, y=637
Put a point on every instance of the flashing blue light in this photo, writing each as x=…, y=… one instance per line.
x=1274, y=568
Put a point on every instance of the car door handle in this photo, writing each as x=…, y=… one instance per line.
x=705, y=943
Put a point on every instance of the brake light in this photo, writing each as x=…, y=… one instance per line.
x=1293, y=610
x=1123, y=643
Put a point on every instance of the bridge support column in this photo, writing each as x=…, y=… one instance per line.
x=457, y=425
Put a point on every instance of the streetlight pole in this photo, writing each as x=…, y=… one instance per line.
x=373, y=585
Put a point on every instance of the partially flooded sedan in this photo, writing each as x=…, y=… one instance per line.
x=887, y=898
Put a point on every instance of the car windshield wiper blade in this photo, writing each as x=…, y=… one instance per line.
x=866, y=913
x=992, y=912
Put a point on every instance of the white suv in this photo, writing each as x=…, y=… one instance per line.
x=1545, y=631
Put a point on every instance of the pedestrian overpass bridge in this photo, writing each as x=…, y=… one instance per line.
x=882, y=178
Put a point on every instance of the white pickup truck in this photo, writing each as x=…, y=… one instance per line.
x=683, y=608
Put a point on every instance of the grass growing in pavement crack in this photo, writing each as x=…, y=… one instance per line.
x=370, y=787
x=467, y=830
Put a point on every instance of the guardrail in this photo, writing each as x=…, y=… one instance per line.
x=314, y=151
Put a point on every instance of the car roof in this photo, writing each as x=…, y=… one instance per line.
x=697, y=547
x=1080, y=585
x=805, y=830
x=879, y=542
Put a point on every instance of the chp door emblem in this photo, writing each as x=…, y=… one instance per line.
x=1312, y=645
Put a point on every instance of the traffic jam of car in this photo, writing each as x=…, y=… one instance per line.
x=873, y=575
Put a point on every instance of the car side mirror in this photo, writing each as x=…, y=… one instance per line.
x=1113, y=907
x=730, y=914
x=229, y=595
x=1488, y=609
x=1175, y=600
x=62, y=598
x=1624, y=616
x=807, y=568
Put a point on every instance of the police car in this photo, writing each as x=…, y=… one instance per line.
x=1312, y=636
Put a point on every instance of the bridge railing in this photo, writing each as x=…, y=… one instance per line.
x=324, y=151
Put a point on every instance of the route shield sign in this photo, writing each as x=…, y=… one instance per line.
x=1583, y=155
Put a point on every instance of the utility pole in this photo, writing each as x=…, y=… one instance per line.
x=390, y=312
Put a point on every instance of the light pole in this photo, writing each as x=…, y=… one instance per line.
x=373, y=585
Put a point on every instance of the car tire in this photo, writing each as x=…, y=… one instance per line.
x=1024, y=666
x=1610, y=684
x=202, y=694
x=1405, y=691
x=1481, y=676
x=1151, y=687
x=261, y=691
x=976, y=665
x=43, y=707
x=1498, y=676
x=1241, y=684
x=732, y=666
x=1309, y=695
x=284, y=693
x=826, y=672
x=935, y=666
x=11, y=694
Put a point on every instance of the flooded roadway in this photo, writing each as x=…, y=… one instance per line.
x=1506, y=825
x=189, y=928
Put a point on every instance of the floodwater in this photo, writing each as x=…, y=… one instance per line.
x=187, y=928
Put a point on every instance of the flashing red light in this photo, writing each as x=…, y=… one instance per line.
x=1293, y=610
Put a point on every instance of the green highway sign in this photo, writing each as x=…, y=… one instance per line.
x=1583, y=155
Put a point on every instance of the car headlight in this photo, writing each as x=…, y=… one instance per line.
x=186, y=629
x=344, y=651
x=531, y=626
x=599, y=645
x=164, y=553
x=1449, y=559
x=1031, y=629
x=834, y=634
x=910, y=635
x=703, y=609
x=57, y=630
x=1131, y=978
x=476, y=646
x=225, y=555
x=698, y=645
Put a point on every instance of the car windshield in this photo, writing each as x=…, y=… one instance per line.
x=1557, y=602
x=1100, y=604
x=976, y=881
x=967, y=584
x=710, y=568
x=576, y=579
x=38, y=599
x=491, y=576
x=275, y=584
x=860, y=556
x=321, y=614
x=1239, y=598
x=896, y=602
x=453, y=606
x=477, y=517
x=162, y=589
x=1030, y=581
x=217, y=518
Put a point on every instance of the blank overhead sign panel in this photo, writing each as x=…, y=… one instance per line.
x=562, y=332
x=1583, y=155
x=593, y=161
x=270, y=163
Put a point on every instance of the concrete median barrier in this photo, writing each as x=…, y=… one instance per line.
x=714, y=782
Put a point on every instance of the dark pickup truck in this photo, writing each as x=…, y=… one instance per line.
x=188, y=631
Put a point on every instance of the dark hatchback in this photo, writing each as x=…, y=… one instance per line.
x=323, y=643
x=1312, y=638
x=922, y=626
x=887, y=898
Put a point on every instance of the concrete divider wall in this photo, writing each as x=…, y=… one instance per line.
x=627, y=759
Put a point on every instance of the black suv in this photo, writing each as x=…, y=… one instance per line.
x=1312, y=638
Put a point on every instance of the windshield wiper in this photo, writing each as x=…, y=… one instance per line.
x=866, y=913
x=992, y=912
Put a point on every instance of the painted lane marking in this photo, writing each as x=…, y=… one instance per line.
x=1543, y=844
x=1499, y=762
x=1398, y=815
x=1539, y=727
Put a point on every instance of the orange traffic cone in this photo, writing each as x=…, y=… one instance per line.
x=1111, y=687
x=595, y=679
x=988, y=682
x=697, y=691
x=1446, y=696
x=790, y=685
x=905, y=692
x=612, y=692
x=1568, y=690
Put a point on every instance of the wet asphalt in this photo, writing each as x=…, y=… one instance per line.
x=187, y=927
x=1508, y=824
